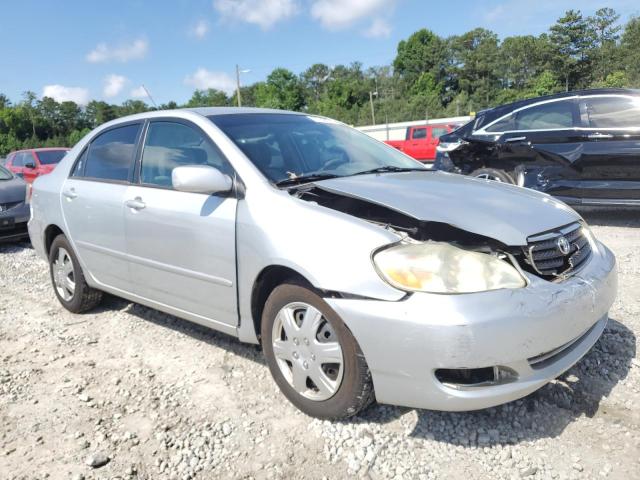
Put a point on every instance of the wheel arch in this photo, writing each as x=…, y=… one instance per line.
x=50, y=233
x=267, y=280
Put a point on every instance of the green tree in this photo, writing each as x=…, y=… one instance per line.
x=422, y=52
x=282, y=90
x=630, y=51
x=606, y=33
x=572, y=39
x=208, y=98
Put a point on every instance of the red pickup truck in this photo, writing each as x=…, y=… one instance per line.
x=421, y=141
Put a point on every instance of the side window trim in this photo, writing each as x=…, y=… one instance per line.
x=575, y=112
x=138, y=164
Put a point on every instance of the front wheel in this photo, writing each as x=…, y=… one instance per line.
x=312, y=355
x=493, y=174
x=69, y=283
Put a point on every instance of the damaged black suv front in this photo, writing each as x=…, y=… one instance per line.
x=582, y=147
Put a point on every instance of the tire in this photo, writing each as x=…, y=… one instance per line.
x=493, y=174
x=81, y=297
x=350, y=381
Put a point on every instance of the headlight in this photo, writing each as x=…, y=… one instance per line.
x=443, y=268
x=447, y=146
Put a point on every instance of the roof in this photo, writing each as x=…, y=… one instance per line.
x=40, y=149
x=209, y=111
x=503, y=109
x=491, y=114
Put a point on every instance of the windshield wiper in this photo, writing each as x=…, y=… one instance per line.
x=389, y=168
x=312, y=177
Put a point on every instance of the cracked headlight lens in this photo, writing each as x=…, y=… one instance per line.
x=443, y=268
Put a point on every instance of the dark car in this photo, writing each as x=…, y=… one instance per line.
x=582, y=147
x=14, y=206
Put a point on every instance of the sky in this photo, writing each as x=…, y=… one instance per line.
x=82, y=50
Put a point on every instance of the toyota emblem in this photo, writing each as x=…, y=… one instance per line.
x=563, y=245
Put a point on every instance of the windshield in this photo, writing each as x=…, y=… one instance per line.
x=50, y=157
x=5, y=174
x=285, y=146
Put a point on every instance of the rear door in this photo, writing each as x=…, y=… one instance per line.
x=435, y=132
x=16, y=165
x=610, y=163
x=93, y=203
x=181, y=245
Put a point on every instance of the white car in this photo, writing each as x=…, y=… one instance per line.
x=363, y=275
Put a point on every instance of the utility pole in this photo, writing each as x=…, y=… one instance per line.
x=238, y=85
x=373, y=113
x=238, y=72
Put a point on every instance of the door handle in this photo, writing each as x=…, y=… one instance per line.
x=70, y=194
x=136, y=203
x=515, y=139
x=599, y=136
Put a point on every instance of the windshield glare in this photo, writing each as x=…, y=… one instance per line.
x=285, y=146
x=5, y=174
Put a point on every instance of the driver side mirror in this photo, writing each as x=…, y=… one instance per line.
x=30, y=165
x=200, y=179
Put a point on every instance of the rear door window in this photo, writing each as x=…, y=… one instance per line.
x=437, y=132
x=611, y=112
x=111, y=154
x=547, y=116
x=18, y=160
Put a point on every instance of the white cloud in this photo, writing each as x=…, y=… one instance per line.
x=124, y=52
x=199, y=29
x=60, y=93
x=113, y=85
x=336, y=14
x=379, y=28
x=203, y=79
x=264, y=13
x=138, y=92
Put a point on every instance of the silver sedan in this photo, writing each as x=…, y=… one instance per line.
x=363, y=275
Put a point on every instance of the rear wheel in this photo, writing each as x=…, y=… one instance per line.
x=312, y=355
x=493, y=174
x=69, y=283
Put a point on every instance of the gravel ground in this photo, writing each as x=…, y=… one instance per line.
x=128, y=392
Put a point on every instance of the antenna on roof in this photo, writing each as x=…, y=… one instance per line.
x=149, y=95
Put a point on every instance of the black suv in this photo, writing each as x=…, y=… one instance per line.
x=582, y=147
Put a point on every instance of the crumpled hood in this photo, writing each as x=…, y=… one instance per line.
x=14, y=190
x=506, y=213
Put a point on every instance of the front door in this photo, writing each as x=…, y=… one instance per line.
x=416, y=144
x=610, y=163
x=93, y=204
x=181, y=246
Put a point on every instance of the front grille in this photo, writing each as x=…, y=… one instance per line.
x=558, y=253
x=6, y=206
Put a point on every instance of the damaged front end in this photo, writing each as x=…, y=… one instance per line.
x=431, y=256
x=439, y=257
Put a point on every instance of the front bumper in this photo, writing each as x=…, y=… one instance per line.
x=13, y=223
x=406, y=342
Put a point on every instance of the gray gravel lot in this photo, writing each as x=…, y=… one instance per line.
x=129, y=392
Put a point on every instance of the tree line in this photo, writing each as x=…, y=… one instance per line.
x=430, y=77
